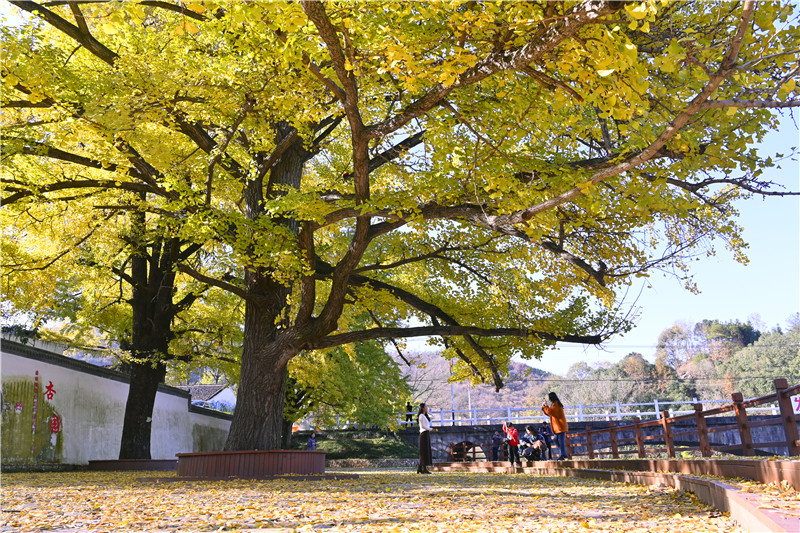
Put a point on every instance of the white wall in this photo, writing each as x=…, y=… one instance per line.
x=208, y=432
x=91, y=403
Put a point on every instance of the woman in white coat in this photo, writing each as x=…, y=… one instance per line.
x=425, y=455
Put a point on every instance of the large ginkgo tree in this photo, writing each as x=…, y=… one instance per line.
x=489, y=175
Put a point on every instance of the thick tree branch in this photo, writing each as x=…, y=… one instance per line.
x=41, y=149
x=432, y=310
x=396, y=151
x=233, y=289
x=550, y=83
x=564, y=255
x=482, y=353
x=74, y=184
x=24, y=104
x=79, y=18
x=583, y=13
x=276, y=154
x=248, y=105
x=316, y=14
x=308, y=290
x=667, y=134
x=177, y=8
x=83, y=37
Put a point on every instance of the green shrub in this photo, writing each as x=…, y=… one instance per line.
x=343, y=445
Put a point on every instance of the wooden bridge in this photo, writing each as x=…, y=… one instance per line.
x=767, y=425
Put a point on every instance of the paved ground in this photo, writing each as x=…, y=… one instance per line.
x=397, y=501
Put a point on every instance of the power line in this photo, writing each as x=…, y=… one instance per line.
x=656, y=346
x=657, y=380
x=631, y=380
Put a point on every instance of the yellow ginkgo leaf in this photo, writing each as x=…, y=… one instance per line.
x=637, y=11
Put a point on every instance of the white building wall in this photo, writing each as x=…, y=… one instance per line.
x=208, y=432
x=91, y=407
x=92, y=410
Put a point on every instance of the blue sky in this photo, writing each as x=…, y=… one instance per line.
x=768, y=286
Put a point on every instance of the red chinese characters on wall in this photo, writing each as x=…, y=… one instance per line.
x=49, y=392
x=55, y=423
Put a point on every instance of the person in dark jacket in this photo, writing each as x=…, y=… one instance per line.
x=531, y=444
x=497, y=441
x=547, y=438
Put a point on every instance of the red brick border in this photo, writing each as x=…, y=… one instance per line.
x=133, y=464
x=743, y=507
x=250, y=464
x=757, y=470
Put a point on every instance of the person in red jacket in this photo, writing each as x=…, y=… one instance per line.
x=558, y=421
x=513, y=443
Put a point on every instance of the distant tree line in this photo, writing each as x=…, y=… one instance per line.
x=707, y=360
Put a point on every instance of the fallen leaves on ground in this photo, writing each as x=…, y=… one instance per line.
x=395, y=501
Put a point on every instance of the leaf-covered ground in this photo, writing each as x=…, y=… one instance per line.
x=397, y=501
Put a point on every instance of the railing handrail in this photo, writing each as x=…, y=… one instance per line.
x=789, y=419
x=738, y=405
x=574, y=413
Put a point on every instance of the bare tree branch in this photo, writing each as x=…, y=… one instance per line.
x=770, y=104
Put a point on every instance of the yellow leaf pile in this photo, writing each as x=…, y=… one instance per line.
x=395, y=501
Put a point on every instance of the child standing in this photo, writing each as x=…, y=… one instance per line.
x=513, y=443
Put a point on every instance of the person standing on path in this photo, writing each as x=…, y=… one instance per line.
x=546, y=434
x=558, y=423
x=425, y=455
x=513, y=443
x=312, y=442
x=497, y=441
x=409, y=413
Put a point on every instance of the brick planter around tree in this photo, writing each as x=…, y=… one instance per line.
x=250, y=464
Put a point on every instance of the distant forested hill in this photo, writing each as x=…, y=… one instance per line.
x=707, y=360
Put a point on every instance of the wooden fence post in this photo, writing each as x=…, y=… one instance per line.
x=612, y=436
x=741, y=421
x=568, y=446
x=788, y=417
x=589, y=447
x=667, y=427
x=702, y=430
x=637, y=422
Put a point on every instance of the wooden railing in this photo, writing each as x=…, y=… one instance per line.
x=521, y=416
x=641, y=438
x=666, y=431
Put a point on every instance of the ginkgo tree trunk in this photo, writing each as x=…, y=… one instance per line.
x=488, y=175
